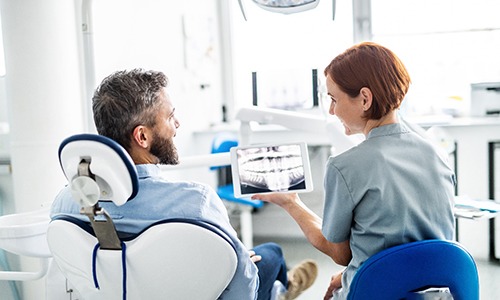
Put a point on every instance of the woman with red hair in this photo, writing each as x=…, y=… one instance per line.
x=391, y=189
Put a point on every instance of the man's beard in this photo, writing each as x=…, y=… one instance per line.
x=164, y=149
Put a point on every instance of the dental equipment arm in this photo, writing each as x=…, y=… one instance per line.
x=195, y=161
x=331, y=130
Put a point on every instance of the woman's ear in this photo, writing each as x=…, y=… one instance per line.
x=140, y=136
x=367, y=98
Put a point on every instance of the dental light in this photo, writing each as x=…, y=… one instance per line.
x=286, y=6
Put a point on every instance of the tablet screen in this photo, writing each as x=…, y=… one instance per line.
x=269, y=168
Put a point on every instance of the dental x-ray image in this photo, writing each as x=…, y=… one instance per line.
x=272, y=168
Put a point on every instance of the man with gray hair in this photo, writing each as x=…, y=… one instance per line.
x=134, y=109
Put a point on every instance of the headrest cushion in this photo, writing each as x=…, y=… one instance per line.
x=114, y=170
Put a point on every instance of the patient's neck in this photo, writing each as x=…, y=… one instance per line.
x=142, y=157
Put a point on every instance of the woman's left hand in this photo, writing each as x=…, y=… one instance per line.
x=335, y=284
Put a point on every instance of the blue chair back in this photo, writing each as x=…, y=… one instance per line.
x=223, y=142
x=396, y=272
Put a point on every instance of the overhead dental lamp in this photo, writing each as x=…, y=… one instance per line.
x=284, y=6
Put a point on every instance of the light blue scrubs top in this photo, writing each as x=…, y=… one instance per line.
x=160, y=199
x=391, y=189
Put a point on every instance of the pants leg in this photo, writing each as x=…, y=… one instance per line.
x=271, y=267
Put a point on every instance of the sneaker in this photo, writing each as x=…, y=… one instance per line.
x=300, y=278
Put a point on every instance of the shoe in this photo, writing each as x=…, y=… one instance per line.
x=300, y=278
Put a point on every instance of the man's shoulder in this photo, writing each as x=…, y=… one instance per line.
x=184, y=188
x=190, y=185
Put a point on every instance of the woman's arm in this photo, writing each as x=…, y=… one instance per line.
x=310, y=223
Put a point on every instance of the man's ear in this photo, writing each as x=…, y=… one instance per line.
x=140, y=136
x=367, y=98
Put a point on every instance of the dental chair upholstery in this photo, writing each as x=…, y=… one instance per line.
x=399, y=272
x=171, y=259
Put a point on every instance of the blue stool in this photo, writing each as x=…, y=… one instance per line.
x=223, y=142
x=398, y=272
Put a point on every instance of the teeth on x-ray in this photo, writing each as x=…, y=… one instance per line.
x=274, y=168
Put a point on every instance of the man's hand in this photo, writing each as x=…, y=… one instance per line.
x=254, y=257
x=335, y=284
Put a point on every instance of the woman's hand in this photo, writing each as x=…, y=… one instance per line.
x=335, y=284
x=281, y=199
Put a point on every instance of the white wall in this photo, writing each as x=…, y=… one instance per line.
x=445, y=44
x=168, y=36
x=275, y=42
x=43, y=89
x=44, y=84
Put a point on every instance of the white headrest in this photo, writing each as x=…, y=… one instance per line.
x=115, y=173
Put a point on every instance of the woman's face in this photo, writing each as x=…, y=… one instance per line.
x=349, y=110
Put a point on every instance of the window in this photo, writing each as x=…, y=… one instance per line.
x=446, y=45
x=275, y=42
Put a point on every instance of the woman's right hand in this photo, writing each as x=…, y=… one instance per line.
x=281, y=199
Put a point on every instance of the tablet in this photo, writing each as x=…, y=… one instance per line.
x=268, y=168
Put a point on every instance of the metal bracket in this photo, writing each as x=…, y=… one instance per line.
x=104, y=228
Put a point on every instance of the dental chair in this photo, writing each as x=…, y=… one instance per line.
x=171, y=259
x=418, y=270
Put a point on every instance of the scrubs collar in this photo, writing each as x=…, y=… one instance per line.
x=389, y=129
